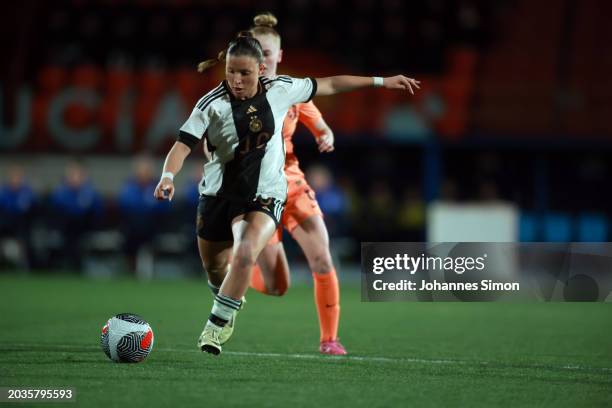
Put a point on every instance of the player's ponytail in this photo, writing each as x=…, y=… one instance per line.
x=244, y=44
x=204, y=65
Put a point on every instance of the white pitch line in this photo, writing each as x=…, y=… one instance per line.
x=68, y=347
x=401, y=360
x=341, y=358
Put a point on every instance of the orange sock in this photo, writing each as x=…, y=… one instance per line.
x=327, y=298
x=257, y=281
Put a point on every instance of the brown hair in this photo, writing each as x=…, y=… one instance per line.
x=244, y=44
x=264, y=23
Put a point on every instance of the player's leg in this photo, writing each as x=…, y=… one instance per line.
x=304, y=220
x=251, y=232
x=215, y=258
x=311, y=234
x=215, y=243
x=271, y=272
x=214, y=240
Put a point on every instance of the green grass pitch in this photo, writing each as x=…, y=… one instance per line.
x=401, y=354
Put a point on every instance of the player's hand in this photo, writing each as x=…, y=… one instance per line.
x=164, y=189
x=326, y=142
x=401, y=82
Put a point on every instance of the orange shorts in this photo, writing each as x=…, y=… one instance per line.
x=301, y=204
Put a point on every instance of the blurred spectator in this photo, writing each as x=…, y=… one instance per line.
x=411, y=216
x=141, y=214
x=378, y=217
x=448, y=190
x=330, y=197
x=17, y=204
x=189, y=205
x=487, y=191
x=76, y=207
x=354, y=201
x=490, y=177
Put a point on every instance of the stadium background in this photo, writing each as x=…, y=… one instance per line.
x=512, y=119
x=512, y=110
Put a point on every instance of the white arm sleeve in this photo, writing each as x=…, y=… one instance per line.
x=196, y=124
x=300, y=89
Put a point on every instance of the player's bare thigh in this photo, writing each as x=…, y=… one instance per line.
x=251, y=233
x=311, y=234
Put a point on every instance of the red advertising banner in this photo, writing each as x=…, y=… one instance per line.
x=115, y=110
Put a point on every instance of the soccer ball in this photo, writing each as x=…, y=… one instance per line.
x=127, y=338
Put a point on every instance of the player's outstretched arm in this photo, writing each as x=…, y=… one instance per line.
x=325, y=139
x=173, y=164
x=345, y=83
x=312, y=118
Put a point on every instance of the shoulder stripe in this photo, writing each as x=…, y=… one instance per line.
x=285, y=77
x=202, y=106
x=288, y=81
x=210, y=94
x=279, y=80
x=210, y=101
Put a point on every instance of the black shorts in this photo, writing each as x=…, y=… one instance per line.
x=215, y=215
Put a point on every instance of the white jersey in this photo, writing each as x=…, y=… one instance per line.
x=245, y=138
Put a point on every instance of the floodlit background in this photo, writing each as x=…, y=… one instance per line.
x=509, y=138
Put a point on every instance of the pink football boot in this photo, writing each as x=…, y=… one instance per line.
x=332, y=347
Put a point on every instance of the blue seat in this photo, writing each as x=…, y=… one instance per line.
x=592, y=227
x=557, y=227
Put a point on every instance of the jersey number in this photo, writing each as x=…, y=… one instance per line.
x=259, y=143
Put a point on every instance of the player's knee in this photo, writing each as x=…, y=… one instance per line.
x=277, y=286
x=279, y=289
x=215, y=267
x=321, y=262
x=273, y=292
x=243, y=257
x=216, y=270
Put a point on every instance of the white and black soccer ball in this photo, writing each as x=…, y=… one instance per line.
x=127, y=338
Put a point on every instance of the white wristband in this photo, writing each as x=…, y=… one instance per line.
x=168, y=175
x=378, y=82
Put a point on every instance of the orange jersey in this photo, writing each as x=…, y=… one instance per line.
x=309, y=115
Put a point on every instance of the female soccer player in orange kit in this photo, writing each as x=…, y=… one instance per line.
x=302, y=216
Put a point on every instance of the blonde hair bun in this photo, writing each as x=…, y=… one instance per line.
x=265, y=20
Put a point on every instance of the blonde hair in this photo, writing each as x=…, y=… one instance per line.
x=244, y=44
x=264, y=23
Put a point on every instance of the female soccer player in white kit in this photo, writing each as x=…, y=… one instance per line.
x=244, y=187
